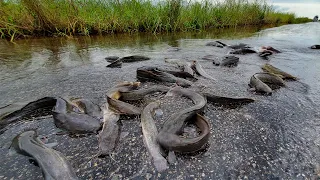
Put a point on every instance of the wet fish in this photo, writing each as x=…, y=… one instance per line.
x=72, y=119
x=228, y=101
x=242, y=51
x=115, y=64
x=152, y=73
x=112, y=58
x=198, y=68
x=54, y=165
x=259, y=82
x=139, y=94
x=114, y=94
x=134, y=58
x=168, y=136
x=315, y=47
x=229, y=61
x=271, y=69
x=15, y=112
x=109, y=135
x=150, y=132
x=216, y=44
x=123, y=107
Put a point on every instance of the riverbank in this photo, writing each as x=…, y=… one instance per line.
x=72, y=17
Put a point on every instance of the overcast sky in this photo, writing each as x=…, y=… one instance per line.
x=302, y=8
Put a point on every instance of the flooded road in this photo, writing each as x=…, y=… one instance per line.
x=276, y=137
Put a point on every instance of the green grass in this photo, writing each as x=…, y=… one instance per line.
x=21, y=18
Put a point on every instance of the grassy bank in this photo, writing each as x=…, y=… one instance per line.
x=20, y=18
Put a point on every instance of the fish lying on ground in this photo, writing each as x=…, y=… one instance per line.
x=271, y=69
x=115, y=64
x=109, y=135
x=242, y=51
x=198, y=68
x=168, y=136
x=134, y=58
x=139, y=94
x=112, y=58
x=53, y=164
x=15, y=112
x=152, y=73
x=221, y=45
x=185, y=66
x=150, y=132
x=228, y=101
x=260, y=81
x=74, y=119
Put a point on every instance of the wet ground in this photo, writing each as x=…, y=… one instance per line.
x=276, y=137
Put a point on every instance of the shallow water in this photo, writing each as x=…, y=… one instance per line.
x=275, y=137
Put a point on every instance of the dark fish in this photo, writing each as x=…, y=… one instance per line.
x=168, y=136
x=109, y=135
x=70, y=118
x=315, y=47
x=227, y=101
x=12, y=113
x=198, y=68
x=229, y=61
x=242, y=51
x=154, y=74
x=150, y=132
x=134, y=58
x=54, y=165
x=271, y=69
x=216, y=44
x=115, y=64
x=112, y=58
x=139, y=94
x=260, y=81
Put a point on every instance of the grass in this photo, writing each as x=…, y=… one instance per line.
x=21, y=18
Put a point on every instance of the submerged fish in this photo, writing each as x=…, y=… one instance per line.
x=54, y=165
x=150, y=133
x=134, y=58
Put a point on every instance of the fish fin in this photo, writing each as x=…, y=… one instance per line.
x=172, y=159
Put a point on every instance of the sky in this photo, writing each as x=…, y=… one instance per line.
x=302, y=8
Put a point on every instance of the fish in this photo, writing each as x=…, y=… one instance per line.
x=109, y=135
x=53, y=164
x=69, y=118
x=150, y=132
x=168, y=136
x=134, y=58
x=147, y=73
x=198, y=68
x=15, y=112
x=259, y=82
x=271, y=69
x=228, y=101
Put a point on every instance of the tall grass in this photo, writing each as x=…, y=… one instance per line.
x=20, y=18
